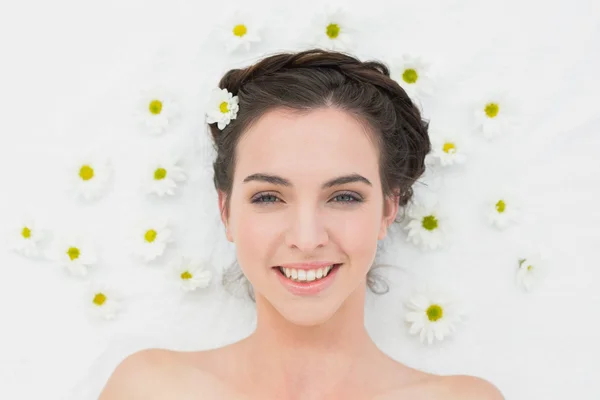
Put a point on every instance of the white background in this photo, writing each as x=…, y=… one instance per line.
x=70, y=73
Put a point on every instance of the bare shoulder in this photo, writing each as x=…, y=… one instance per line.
x=426, y=386
x=467, y=387
x=134, y=377
x=158, y=374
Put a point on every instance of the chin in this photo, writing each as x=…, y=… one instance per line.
x=308, y=313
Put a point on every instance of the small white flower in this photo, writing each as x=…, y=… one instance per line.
x=150, y=238
x=496, y=114
x=532, y=271
x=222, y=107
x=24, y=236
x=426, y=226
x=433, y=316
x=156, y=110
x=102, y=301
x=413, y=74
x=89, y=175
x=447, y=147
x=332, y=29
x=239, y=30
x=503, y=211
x=163, y=174
x=74, y=253
x=190, y=274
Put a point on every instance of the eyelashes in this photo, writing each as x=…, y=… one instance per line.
x=261, y=198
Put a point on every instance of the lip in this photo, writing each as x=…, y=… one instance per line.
x=308, y=288
x=310, y=265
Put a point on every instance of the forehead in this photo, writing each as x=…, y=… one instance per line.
x=322, y=142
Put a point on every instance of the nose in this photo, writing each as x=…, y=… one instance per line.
x=307, y=231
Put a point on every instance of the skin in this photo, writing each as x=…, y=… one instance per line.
x=304, y=347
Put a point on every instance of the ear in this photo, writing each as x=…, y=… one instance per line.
x=223, y=213
x=390, y=210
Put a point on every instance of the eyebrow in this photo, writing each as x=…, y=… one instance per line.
x=278, y=180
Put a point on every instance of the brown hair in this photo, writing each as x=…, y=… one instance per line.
x=307, y=80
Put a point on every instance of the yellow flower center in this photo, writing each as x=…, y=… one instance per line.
x=500, y=206
x=26, y=233
x=332, y=30
x=150, y=235
x=492, y=109
x=160, y=173
x=449, y=147
x=240, y=30
x=430, y=222
x=434, y=312
x=156, y=107
x=224, y=107
x=410, y=76
x=186, y=275
x=73, y=253
x=99, y=299
x=529, y=267
x=86, y=172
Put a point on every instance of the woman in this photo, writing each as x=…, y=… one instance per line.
x=317, y=152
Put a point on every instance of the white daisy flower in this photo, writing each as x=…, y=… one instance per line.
x=447, y=147
x=89, y=174
x=426, y=226
x=150, y=238
x=163, y=174
x=413, y=74
x=433, y=316
x=102, y=301
x=156, y=110
x=495, y=114
x=239, y=30
x=74, y=253
x=24, y=235
x=503, y=211
x=332, y=29
x=532, y=271
x=189, y=274
x=222, y=107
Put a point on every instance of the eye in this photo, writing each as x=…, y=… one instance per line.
x=349, y=198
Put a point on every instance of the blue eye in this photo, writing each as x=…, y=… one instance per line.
x=262, y=199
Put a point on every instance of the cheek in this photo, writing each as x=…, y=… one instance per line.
x=253, y=236
x=357, y=233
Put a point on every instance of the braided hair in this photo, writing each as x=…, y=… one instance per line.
x=311, y=79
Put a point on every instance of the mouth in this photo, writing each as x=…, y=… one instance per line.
x=307, y=283
x=307, y=276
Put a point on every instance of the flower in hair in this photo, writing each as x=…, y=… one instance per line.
x=333, y=30
x=222, y=107
x=495, y=114
x=413, y=74
x=432, y=315
x=239, y=30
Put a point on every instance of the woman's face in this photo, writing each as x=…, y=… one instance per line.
x=304, y=220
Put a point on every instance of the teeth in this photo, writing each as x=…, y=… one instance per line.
x=302, y=275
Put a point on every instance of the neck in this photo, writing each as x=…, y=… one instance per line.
x=286, y=359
